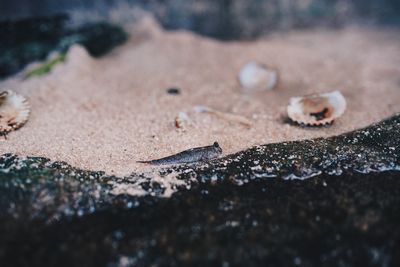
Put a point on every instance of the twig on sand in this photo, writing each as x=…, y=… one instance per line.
x=224, y=115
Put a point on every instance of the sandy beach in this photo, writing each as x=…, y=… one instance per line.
x=106, y=114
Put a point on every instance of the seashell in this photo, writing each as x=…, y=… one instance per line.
x=182, y=120
x=254, y=76
x=316, y=109
x=14, y=111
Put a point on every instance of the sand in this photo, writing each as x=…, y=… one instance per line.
x=106, y=114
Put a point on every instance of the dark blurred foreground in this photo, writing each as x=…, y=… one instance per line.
x=350, y=220
x=240, y=210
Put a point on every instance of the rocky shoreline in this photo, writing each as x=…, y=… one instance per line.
x=228, y=211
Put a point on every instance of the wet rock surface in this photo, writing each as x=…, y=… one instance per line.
x=250, y=208
x=376, y=148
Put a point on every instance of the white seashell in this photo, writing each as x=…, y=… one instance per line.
x=316, y=109
x=14, y=111
x=182, y=120
x=256, y=77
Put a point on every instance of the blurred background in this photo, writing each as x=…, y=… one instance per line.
x=31, y=29
x=224, y=19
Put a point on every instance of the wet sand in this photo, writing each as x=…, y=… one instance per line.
x=106, y=114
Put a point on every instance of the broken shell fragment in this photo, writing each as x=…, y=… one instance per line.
x=182, y=120
x=257, y=77
x=224, y=115
x=316, y=109
x=14, y=111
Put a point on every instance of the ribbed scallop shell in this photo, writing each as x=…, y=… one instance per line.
x=317, y=109
x=14, y=111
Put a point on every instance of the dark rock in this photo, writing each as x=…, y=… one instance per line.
x=345, y=213
x=28, y=40
x=98, y=38
x=373, y=149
